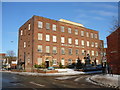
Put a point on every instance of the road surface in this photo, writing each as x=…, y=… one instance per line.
x=13, y=82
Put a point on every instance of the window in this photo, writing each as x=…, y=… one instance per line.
x=47, y=26
x=96, y=36
x=69, y=61
x=69, y=30
x=40, y=24
x=70, y=51
x=96, y=53
x=39, y=48
x=92, y=53
x=21, y=32
x=77, y=51
x=82, y=42
x=47, y=49
x=63, y=50
x=88, y=52
x=47, y=37
x=76, y=41
x=83, y=53
x=54, y=61
x=39, y=61
x=62, y=28
x=54, y=50
x=54, y=39
x=62, y=40
x=70, y=40
x=88, y=43
x=29, y=26
x=24, y=44
x=82, y=33
x=63, y=61
x=54, y=27
x=92, y=44
x=39, y=36
x=76, y=32
x=87, y=34
x=96, y=44
x=91, y=35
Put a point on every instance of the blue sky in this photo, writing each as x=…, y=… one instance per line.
x=97, y=16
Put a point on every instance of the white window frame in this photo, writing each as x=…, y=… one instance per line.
x=39, y=48
x=96, y=44
x=88, y=52
x=40, y=24
x=62, y=50
x=47, y=26
x=54, y=38
x=76, y=41
x=47, y=49
x=70, y=51
x=92, y=35
x=92, y=44
x=54, y=27
x=40, y=36
x=77, y=51
x=87, y=34
x=47, y=37
x=39, y=60
x=21, y=32
x=82, y=42
x=82, y=33
x=69, y=40
x=96, y=53
x=83, y=52
x=62, y=28
x=54, y=49
x=93, y=53
x=24, y=44
x=76, y=31
x=29, y=25
x=54, y=61
x=62, y=39
x=69, y=30
x=63, y=61
x=88, y=43
x=96, y=36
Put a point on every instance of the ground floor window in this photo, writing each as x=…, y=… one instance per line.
x=69, y=61
x=54, y=61
x=63, y=61
x=39, y=61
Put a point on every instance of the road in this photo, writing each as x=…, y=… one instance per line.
x=10, y=80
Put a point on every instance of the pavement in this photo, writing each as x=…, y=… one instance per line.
x=107, y=80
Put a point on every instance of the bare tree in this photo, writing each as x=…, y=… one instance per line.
x=115, y=25
x=10, y=55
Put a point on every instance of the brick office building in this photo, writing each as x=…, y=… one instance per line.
x=42, y=40
x=113, y=51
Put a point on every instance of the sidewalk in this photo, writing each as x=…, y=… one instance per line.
x=106, y=80
x=61, y=72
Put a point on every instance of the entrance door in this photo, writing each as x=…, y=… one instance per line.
x=47, y=64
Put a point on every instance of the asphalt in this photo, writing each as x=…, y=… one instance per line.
x=12, y=81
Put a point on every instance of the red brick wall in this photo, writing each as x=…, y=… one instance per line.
x=31, y=37
x=113, y=50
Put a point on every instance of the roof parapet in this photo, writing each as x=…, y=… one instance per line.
x=70, y=22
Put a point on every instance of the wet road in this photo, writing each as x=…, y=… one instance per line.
x=10, y=80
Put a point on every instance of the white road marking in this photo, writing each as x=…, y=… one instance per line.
x=37, y=84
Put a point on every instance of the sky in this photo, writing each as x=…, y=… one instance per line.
x=98, y=16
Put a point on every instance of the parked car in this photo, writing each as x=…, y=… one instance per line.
x=51, y=68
